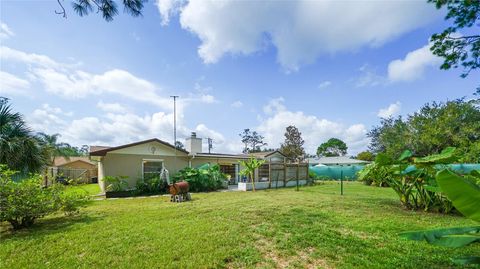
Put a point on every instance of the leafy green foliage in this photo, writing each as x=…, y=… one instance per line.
x=447, y=237
x=151, y=185
x=374, y=174
x=365, y=156
x=465, y=195
x=413, y=179
x=23, y=202
x=108, y=8
x=433, y=128
x=201, y=180
x=333, y=147
x=115, y=183
x=19, y=149
x=455, y=48
x=292, y=147
x=249, y=168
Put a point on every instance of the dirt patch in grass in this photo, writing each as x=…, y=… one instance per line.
x=301, y=259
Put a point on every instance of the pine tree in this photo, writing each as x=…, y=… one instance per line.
x=292, y=147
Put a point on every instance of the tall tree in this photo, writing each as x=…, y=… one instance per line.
x=459, y=49
x=51, y=149
x=292, y=147
x=253, y=141
x=107, y=8
x=431, y=129
x=365, y=156
x=333, y=147
x=19, y=149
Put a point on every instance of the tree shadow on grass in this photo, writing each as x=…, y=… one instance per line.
x=46, y=226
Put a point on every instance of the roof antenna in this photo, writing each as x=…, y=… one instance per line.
x=210, y=144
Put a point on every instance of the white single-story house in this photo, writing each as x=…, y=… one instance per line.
x=136, y=160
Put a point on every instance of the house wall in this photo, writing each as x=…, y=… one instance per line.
x=130, y=165
x=199, y=161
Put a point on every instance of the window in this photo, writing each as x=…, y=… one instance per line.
x=152, y=168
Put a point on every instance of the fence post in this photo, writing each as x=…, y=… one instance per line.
x=297, y=175
x=341, y=182
x=269, y=175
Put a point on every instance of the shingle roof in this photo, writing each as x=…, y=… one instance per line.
x=103, y=152
x=59, y=161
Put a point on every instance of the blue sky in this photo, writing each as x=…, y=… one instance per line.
x=330, y=68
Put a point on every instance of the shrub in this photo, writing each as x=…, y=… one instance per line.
x=151, y=185
x=209, y=179
x=21, y=203
x=115, y=183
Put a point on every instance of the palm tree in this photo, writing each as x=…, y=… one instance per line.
x=19, y=149
x=51, y=149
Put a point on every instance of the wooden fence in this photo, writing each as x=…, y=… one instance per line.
x=280, y=173
x=81, y=175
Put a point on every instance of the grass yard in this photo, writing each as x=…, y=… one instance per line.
x=89, y=189
x=312, y=228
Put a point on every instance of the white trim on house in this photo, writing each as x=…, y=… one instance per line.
x=151, y=160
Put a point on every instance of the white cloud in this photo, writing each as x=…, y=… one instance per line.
x=11, y=84
x=48, y=119
x=301, y=31
x=324, y=84
x=111, y=107
x=314, y=130
x=8, y=54
x=70, y=82
x=117, y=127
x=413, y=66
x=237, y=104
x=5, y=31
x=391, y=110
x=369, y=77
x=166, y=8
x=208, y=99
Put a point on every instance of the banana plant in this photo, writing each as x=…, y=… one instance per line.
x=465, y=196
x=250, y=166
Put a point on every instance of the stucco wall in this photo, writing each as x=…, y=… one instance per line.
x=130, y=165
x=199, y=161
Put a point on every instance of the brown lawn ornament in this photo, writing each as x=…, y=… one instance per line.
x=179, y=192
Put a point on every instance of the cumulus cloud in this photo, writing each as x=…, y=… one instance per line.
x=11, y=84
x=118, y=126
x=237, y=104
x=5, y=31
x=324, y=84
x=301, y=31
x=369, y=77
x=68, y=81
x=413, y=66
x=9, y=54
x=48, y=119
x=111, y=107
x=314, y=130
x=391, y=110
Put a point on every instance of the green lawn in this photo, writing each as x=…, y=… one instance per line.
x=89, y=189
x=312, y=228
